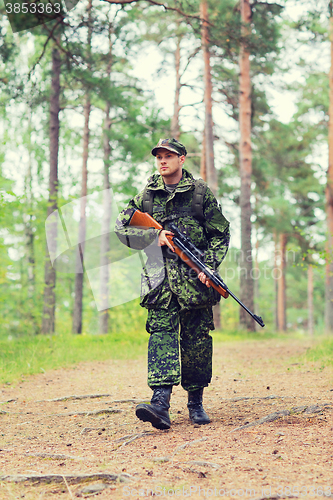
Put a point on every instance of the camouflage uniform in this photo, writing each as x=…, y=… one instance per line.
x=171, y=291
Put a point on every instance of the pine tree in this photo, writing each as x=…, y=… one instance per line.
x=48, y=322
x=77, y=312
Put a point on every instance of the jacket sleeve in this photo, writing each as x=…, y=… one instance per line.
x=131, y=236
x=217, y=231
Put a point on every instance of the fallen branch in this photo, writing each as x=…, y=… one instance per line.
x=161, y=459
x=133, y=438
x=87, y=413
x=129, y=436
x=45, y=455
x=52, y=456
x=91, y=490
x=70, y=478
x=71, y=413
x=284, y=413
x=75, y=397
x=85, y=430
x=246, y=398
x=203, y=464
x=179, y=448
x=185, y=445
x=131, y=400
x=272, y=498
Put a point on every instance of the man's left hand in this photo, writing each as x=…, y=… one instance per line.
x=203, y=278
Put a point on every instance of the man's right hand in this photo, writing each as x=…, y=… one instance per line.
x=163, y=240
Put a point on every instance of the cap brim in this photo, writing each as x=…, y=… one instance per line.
x=154, y=150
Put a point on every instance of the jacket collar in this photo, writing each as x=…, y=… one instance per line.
x=156, y=182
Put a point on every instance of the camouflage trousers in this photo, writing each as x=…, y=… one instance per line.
x=194, y=368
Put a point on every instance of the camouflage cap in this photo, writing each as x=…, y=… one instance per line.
x=171, y=145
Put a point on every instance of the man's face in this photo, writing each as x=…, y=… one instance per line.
x=169, y=165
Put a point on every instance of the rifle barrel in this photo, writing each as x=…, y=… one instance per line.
x=141, y=219
x=213, y=276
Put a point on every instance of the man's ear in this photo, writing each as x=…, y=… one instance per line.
x=182, y=159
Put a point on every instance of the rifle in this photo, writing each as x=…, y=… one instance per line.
x=192, y=256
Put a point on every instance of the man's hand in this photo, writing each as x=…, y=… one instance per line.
x=163, y=240
x=203, y=278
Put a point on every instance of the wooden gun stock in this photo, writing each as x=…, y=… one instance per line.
x=144, y=220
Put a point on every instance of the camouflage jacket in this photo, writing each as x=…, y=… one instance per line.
x=165, y=273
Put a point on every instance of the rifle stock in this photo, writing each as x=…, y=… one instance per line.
x=144, y=220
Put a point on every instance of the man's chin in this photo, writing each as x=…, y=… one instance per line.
x=166, y=175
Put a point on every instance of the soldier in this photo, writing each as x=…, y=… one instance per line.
x=179, y=299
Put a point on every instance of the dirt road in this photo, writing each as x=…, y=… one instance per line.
x=270, y=436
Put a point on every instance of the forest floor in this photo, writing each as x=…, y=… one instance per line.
x=270, y=435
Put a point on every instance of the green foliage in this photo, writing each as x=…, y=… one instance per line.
x=312, y=108
x=28, y=354
x=314, y=24
x=265, y=37
x=321, y=353
x=285, y=179
x=262, y=43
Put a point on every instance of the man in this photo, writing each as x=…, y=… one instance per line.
x=173, y=294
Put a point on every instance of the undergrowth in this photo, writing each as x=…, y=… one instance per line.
x=322, y=353
x=26, y=355
x=29, y=354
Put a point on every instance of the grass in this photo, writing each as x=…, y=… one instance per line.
x=241, y=336
x=26, y=355
x=322, y=353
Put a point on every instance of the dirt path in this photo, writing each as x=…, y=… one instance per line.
x=96, y=446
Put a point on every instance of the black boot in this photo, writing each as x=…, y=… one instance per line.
x=157, y=411
x=196, y=412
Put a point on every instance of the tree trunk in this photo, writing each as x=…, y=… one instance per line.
x=79, y=275
x=77, y=313
x=281, y=309
x=29, y=235
x=276, y=280
x=48, y=320
x=256, y=282
x=211, y=175
x=210, y=166
x=105, y=237
x=28, y=225
x=329, y=201
x=175, y=128
x=245, y=161
x=203, y=169
x=310, y=300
